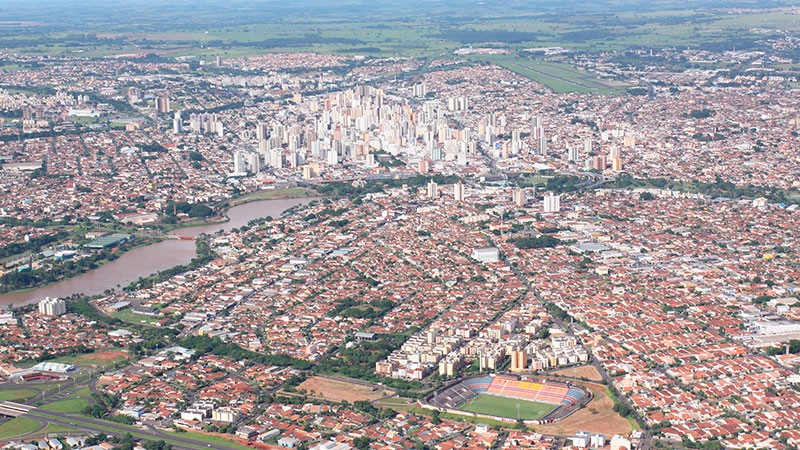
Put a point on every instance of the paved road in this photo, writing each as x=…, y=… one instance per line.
x=98, y=426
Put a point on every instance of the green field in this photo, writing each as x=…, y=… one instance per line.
x=71, y=405
x=15, y=395
x=506, y=407
x=17, y=426
x=128, y=315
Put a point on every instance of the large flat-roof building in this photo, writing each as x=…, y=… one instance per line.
x=486, y=254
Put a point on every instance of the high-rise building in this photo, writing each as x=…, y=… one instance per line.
x=541, y=145
x=238, y=164
x=433, y=189
x=519, y=360
x=420, y=90
x=458, y=192
x=177, y=123
x=616, y=164
x=261, y=132
x=573, y=153
x=52, y=307
x=276, y=158
x=134, y=95
x=598, y=163
x=162, y=104
x=424, y=166
x=551, y=203
x=254, y=162
x=519, y=197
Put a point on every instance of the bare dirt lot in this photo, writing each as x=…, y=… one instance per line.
x=597, y=417
x=588, y=372
x=336, y=390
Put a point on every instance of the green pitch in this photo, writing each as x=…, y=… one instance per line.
x=506, y=407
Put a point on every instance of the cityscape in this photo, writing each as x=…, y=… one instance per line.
x=383, y=225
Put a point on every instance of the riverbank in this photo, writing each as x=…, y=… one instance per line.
x=273, y=194
x=122, y=250
x=145, y=261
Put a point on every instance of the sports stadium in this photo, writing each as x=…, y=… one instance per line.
x=508, y=398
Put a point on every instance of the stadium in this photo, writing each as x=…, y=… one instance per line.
x=508, y=398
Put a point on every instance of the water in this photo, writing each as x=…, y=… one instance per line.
x=145, y=261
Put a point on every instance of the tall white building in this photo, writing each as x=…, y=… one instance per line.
x=276, y=158
x=177, y=123
x=52, y=306
x=552, y=203
x=573, y=154
x=433, y=189
x=238, y=164
x=458, y=192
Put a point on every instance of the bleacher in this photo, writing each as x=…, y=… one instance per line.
x=479, y=385
x=543, y=391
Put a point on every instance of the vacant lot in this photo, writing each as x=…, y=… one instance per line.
x=100, y=358
x=597, y=417
x=507, y=407
x=588, y=372
x=336, y=390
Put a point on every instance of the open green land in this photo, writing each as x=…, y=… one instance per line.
x=83, y=392
x=506, y=407
x=15, y=395
x=273, y=194
x=128, y=315
x=17, y=426
x=70, y=405
x=388, y=29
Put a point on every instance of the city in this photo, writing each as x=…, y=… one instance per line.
x=498, y=241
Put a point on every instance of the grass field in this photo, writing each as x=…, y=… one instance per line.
x=84, y=392
x=506, y=407
x=52, y=428
x=273, y=194
x=17, y=426
x=128, y=315
x=337, y=391
x=15, y=395
x=70, y=405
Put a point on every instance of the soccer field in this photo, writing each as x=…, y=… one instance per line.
x=507, y=407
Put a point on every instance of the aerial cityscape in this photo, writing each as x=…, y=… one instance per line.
x=318, y=225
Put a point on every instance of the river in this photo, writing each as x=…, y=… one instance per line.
x=147, y=260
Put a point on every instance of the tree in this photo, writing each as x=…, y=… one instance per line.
x=435, y=417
